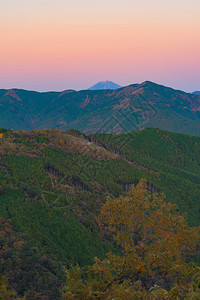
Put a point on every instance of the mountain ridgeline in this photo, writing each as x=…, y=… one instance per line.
x=110, y=111
x=54, y=183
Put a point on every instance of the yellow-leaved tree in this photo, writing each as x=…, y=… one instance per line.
x=153, y=239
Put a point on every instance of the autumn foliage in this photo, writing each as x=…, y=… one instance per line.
x=154, y=241
x=152, y=235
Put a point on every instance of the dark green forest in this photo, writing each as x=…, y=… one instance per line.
x=53, y=184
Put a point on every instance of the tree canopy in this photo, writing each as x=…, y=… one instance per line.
x=154, y=241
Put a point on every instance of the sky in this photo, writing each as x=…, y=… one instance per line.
x=61, y=44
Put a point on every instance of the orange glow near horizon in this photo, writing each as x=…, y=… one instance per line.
x=76, y=46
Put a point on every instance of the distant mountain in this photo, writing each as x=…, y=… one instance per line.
x=105, y=85
x=197, y=93
x=129, y=108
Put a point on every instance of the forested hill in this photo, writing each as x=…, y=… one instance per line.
x=54, y=182
x=125, y=109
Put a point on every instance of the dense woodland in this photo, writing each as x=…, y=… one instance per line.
x=67, y=205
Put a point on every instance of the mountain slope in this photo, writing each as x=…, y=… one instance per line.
x=129, y=108
x=105, y=85
x=53, y=184
x=197, y=93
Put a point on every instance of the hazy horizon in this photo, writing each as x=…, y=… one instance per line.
x=88, y=88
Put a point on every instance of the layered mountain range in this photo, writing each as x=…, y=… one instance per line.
x=121, y=110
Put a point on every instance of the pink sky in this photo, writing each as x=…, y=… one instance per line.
x=56, y=45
